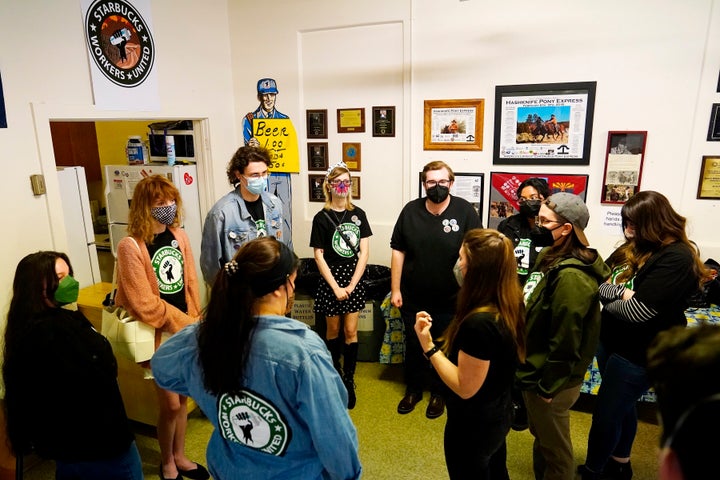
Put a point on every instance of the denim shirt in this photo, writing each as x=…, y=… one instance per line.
x=228, y=225
x=291, y=421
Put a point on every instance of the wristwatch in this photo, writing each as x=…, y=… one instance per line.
x=432, y=352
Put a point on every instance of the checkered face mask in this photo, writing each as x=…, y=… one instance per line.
x=165, y=214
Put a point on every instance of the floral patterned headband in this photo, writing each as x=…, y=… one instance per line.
x=340, y=164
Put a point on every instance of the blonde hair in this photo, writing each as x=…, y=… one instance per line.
x=147, y=192
x=334, y=172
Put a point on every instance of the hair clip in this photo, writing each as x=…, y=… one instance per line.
x=231, y=267
x=340, y=164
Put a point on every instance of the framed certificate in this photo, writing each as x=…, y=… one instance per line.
x=709, y=183
x=317, y=153
x=351, y=156
x=350, y=120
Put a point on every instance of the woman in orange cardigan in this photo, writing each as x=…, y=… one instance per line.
x=157, y=283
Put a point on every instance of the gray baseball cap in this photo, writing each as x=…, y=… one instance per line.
x=573, y=209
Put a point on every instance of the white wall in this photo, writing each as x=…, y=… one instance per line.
x=656, y=64
x=46, y=76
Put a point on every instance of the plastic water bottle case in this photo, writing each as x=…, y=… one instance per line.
x=170, y=148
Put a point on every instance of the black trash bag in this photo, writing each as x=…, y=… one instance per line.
x=376, y=281
x=308, y=277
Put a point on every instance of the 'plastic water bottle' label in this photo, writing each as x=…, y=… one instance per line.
x=170, y=148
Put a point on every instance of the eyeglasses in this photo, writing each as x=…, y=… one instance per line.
x=541, y=221
x=432, y=183
x=522, y=200
x=347, y=183
x=257, y=175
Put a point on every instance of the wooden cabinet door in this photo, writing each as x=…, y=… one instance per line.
x=75, y=144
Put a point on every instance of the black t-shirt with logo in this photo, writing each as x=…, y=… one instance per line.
x=168, y=264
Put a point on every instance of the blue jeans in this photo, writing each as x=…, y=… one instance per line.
x=614, y=421
x=126, y=466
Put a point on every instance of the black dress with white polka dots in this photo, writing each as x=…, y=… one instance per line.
x=340, y=258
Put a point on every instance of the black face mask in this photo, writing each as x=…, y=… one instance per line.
x=438, y=193
x=542, y=236
x=530, y=208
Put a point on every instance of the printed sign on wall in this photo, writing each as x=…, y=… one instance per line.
x=121, y=52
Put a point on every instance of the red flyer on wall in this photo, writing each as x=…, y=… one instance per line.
x=503, y=191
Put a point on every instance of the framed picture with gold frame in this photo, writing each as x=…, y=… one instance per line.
x=355, y=192
x=350, y=120
x=709, y=182
x=351, y=155
x=453, y=124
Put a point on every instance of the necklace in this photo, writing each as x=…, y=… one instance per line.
x=339, y=219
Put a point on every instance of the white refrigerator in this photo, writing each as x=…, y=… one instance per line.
x=82, y=250
x=120, y=182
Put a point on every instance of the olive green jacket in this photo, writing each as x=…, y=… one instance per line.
x=562, y=324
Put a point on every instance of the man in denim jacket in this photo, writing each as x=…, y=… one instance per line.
x=247, y=212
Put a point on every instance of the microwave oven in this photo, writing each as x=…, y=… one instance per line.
x=183, y=133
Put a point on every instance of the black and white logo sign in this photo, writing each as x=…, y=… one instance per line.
x=120, y=42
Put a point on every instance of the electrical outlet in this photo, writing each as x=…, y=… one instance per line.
x=38, y=184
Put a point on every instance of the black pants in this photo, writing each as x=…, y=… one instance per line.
x=419, y=374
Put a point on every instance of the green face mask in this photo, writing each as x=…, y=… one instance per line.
x=67, y=290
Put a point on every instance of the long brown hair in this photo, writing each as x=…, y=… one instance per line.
x=148, y=191
x=490, y=284
x=657, y=225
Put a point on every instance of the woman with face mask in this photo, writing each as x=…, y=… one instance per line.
x=653, y=274
x=483, y=345
x=340, y=238
x=530, y=194
x=265, y=381
x=158, y=285
x=562, y=329
x=62, y=399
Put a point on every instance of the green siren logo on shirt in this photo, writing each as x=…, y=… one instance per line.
x=168, y=266
x=352, y=232
x=120, y=42
x=251, y=420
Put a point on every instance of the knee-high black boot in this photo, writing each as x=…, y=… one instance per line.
x=335, y=347
x=350, y=360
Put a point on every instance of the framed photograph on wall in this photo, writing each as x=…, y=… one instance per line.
x=623, y=165
x=469, y=186
x=317, y=153
x=355, y=189
x=544, y=124
x=316, y=123
x=351, y=155
x=709, y=182
x=714, y=127
x=350, y=120
x=453, y=124
x=383, y=121
x=315, y=184
x=503, y=191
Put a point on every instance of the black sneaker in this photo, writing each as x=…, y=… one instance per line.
x=615, y=470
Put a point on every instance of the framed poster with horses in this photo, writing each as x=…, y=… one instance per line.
x=453, y=124
x=623, y=166
x=544, y=124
